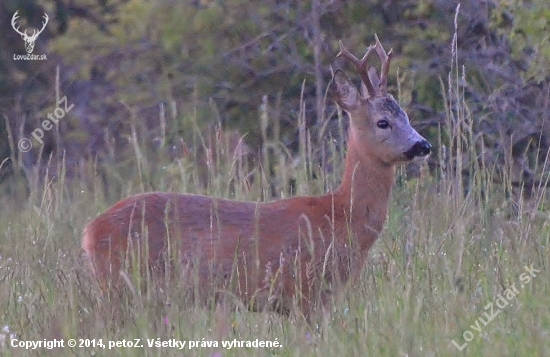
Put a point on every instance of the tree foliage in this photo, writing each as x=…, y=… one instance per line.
x=200, y=61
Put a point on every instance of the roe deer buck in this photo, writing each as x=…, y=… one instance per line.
x=271, y=254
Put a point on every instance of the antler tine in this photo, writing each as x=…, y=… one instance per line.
x=14, y=22
x=386, y=59
x=360, y=65
x=46, y=19
x=44, y=23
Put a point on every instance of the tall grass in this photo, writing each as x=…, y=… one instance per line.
x=446, y=253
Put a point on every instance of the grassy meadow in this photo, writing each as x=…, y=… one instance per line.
x=447, y=277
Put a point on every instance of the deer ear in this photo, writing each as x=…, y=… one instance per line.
x=344, y=92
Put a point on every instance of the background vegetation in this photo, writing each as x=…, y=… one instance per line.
x=220, y=62
x=227, y=98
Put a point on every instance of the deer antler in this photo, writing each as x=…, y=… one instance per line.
x=386, y=59
x=14, y=23
x=373, y=89
x=46, y=19
x=360, y=65
x=35, y=32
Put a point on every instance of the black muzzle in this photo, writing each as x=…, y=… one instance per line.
x=419, y=149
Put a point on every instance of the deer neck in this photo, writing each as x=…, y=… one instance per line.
x=364, y=193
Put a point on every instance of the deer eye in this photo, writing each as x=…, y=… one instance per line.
x=383, y=124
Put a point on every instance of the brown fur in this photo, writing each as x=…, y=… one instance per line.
x=268, y=254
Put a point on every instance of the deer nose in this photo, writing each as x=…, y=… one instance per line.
x=419, y=149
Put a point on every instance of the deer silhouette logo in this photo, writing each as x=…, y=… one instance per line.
x=29, y=40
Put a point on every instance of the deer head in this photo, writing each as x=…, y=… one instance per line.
x=377, y=123
x=29, y=40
